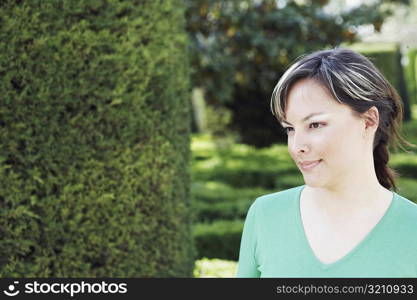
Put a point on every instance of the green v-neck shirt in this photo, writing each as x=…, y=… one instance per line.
x=274, y=243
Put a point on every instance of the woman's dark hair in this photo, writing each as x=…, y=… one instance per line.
x=352, y=79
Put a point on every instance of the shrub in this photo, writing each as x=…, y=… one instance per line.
x=215, y=200
x=220, y=239
x=95, y=132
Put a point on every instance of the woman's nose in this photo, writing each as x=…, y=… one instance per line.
x=299, y=144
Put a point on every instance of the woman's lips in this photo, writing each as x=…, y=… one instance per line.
x=307, y=166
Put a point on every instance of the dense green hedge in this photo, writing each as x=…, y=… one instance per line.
x=213, y=200
x=219, y=239
x=94, y=127
x=243, y=166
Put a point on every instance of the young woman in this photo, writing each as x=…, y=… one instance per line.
x=340, y=115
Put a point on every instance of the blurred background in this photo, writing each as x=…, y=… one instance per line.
x=239, y=150
x=135, y=135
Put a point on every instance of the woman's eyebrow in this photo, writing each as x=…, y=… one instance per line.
x=306, y=118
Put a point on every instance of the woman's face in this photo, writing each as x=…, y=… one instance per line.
x=323, y=130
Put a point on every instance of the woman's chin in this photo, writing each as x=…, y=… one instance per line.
x=313, y=182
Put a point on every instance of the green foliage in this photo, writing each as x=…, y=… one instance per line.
x=218, y=120
x=406, y=164
x=236, y=41
x=411, y=75
x=408, y=188
x=242, y=165
x=95, y=131
x=410, y=128
x=217, y=268
x=219, y=239
x=215, y=200
x=240, y=48
x=213, y=192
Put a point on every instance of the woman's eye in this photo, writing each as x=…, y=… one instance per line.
x=315, y=126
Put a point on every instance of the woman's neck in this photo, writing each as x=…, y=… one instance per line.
x=346, y=202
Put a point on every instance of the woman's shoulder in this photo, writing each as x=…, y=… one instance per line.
x=407, y=209
x=279, y=199
x=405, y=225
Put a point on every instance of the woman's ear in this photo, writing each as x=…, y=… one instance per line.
x=372, y=118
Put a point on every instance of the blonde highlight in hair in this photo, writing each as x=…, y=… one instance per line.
x=352, y=79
